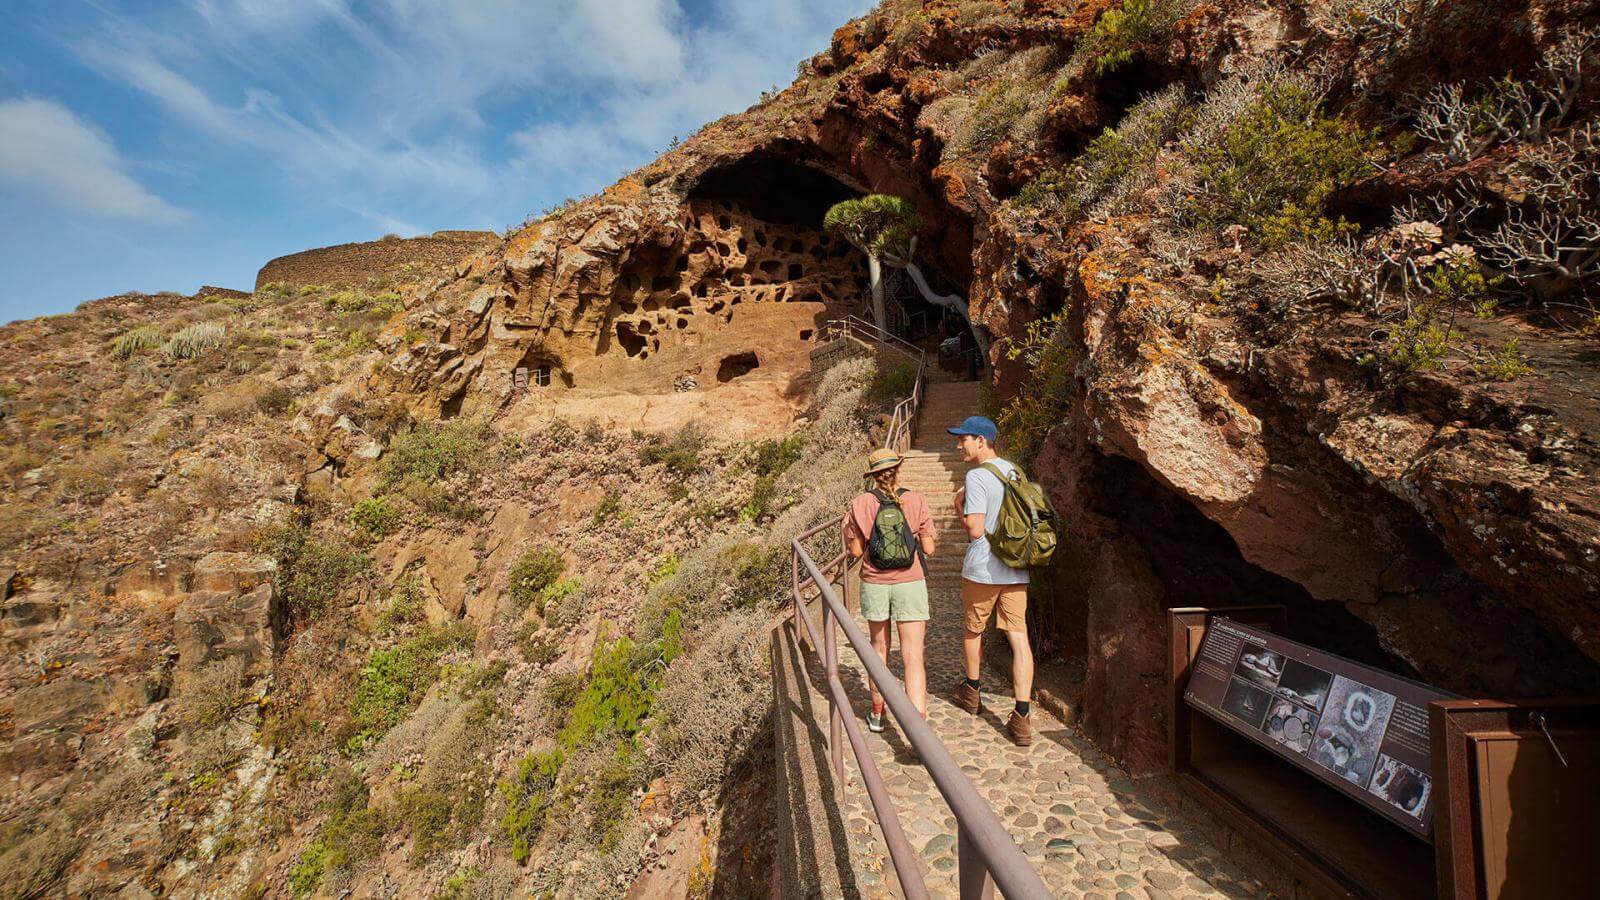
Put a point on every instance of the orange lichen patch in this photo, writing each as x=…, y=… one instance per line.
x=523, y=241
x=951, y=184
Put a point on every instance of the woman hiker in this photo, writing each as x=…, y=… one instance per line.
x=890, y=529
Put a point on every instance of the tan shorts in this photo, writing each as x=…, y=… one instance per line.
x=978, y=600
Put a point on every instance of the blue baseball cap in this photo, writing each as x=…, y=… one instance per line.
x=978, y=426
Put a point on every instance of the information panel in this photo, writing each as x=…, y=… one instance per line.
x=1361, y=730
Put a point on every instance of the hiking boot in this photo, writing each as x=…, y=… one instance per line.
x=969, y=698
x=875, y=723
x=1021, y=729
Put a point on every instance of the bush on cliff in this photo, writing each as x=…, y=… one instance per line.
x=1120, y=30
x=395, y=678
x=312, y=570
x=1274, y=167
x=532, y=576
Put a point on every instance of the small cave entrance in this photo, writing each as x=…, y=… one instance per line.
x=1198, y=563
x=632, y=342
x=737, y=366
x=539, y=370
x=775, y=188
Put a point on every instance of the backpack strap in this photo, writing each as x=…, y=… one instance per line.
x=1004, y=478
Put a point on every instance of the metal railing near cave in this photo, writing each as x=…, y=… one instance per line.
x=903, y=422
x=985, y=853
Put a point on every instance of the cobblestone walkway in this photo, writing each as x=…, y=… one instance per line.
x=1077, y=817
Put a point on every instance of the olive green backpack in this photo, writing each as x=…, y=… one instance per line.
x=1025, y=534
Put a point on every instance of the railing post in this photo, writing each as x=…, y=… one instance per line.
x=972, y=873
x=794, y=591
x=830, y=662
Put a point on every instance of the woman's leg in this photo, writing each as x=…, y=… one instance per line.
x=879, y=632
x=911, y=635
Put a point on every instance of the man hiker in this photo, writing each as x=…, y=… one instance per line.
x=890, y=529
x=987, y=584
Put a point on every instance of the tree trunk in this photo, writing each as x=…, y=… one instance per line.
x=875, y=272
x=952, y=301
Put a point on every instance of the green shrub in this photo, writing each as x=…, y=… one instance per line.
x=353, y=832
x=528, y=797
x=538, y=647
x=775, y=456
x=666, y=567
x=534, y=573
x=762, y=495
x=395, y=679
x=1045, y=396
x=428, y=814
x=561, y=603
x=429, y=453
x=608, y=794
x=609, y=509
x=350, y=301
x=621, y=687
x=404, y=607
x=680, y=454
x=312, y=571
x=1420, y=344
x=1119, y=30
x=135, y=339
x=196, y=340
x=1274, y=168
x=1506, y=363
x=892, y=385
x=375, y=517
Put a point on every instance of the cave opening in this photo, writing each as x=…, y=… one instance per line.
x=632, y=342
x=774, y=188
x=1198, y=563
x=737, y=366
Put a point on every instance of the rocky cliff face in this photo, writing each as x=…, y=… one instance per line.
x=1290, y=306
x=1241, y=419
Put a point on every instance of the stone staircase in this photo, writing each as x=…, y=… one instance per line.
x=934, y=469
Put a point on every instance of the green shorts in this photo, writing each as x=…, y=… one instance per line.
x=907, y=602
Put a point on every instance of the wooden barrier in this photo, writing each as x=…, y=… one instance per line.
x=1516, y=794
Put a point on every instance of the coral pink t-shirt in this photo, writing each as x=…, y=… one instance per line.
x=858, y=524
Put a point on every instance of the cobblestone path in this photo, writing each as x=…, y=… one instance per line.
x=1078, y=818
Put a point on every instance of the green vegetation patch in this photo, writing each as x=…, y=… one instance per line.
x=432, y=452
x=1274, y=168
x=1045, y=396
x=680, y=453
x=528, y=798
x=1121, y=30
x=132, y=341
x=312, y=570
x=375, y=518
x=353, y=832
x=395, y=679
x=533, y=575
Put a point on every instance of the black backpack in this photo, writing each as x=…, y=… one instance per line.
x=892, y=544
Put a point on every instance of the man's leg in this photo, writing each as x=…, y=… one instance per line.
x=1021, y=666
x=879, y=632
x=977, y=602
x=972, y=653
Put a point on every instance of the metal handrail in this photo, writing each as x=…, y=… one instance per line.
x=985, y=853
x=903, y=421
x=849, y=324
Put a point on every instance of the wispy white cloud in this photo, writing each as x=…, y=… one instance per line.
x=47, y=151
x=386, y=105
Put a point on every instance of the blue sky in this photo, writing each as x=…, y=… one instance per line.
x=164, y=145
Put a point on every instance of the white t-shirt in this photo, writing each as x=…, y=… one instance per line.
x=984, y=493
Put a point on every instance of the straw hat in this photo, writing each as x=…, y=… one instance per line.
x=882, y=460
